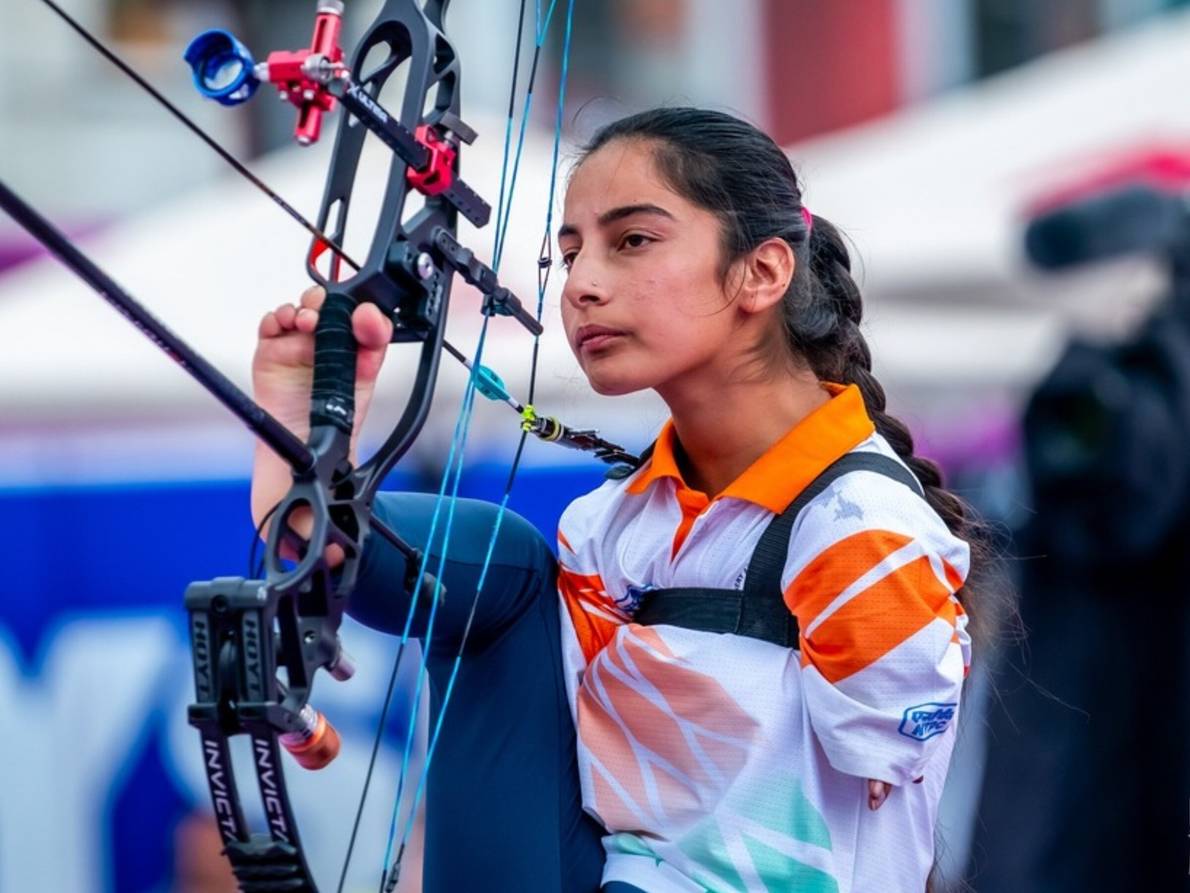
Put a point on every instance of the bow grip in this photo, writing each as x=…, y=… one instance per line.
x=332, y=398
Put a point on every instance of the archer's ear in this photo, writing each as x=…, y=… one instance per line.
x=765, y=276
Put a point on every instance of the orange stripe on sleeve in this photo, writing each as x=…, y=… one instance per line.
x=836, y=568
x=952, y=576
x=948, y=611
x=565, y=542
x=877, y=620
x=587, y=603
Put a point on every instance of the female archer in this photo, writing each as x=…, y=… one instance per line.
x=753, y=678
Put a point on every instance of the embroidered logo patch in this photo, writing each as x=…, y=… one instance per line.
x=926, y=720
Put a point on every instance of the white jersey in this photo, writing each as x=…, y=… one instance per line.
x=719, y=762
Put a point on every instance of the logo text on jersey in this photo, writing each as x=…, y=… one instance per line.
x=926, y=720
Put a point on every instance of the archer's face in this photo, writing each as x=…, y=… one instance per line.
x=643, y=305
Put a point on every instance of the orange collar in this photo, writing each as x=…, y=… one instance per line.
x=789, y=465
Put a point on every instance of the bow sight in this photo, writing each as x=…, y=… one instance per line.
x=223, y=67
x=225, y=71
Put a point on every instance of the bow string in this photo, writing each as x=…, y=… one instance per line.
x=486, y=384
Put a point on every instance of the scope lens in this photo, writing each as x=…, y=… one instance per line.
x=222, y=72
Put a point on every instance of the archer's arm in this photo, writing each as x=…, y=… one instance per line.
x=883, y=641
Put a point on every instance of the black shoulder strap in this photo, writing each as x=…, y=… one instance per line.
x=759, y=610
x=768, y=561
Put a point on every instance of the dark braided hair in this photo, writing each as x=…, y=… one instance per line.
x=734, y=170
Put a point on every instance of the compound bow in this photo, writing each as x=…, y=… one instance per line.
x=244, y=632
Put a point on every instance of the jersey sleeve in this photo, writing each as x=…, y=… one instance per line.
x=590, y=614
x=872, y=579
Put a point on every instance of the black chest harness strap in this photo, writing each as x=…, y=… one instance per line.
x=759, y=610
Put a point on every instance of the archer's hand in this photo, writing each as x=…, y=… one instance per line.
x=283, y=373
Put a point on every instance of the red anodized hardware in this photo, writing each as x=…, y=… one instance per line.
x=438, y=174
x=286, y=71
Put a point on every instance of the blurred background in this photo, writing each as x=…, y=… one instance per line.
x=931, y=131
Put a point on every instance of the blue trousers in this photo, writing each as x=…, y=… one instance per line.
x=503, y=805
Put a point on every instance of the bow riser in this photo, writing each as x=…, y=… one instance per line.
x=403, y=272
x=238, y=692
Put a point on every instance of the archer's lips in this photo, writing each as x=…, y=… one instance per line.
x=591, y=338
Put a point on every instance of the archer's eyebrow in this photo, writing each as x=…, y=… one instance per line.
x=615, y=214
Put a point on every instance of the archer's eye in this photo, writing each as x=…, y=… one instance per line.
x=635, y=240
x=566, y=261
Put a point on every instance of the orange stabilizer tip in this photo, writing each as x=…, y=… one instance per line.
x=318, y=749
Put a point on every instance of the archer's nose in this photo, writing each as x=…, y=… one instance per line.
x=583, y=285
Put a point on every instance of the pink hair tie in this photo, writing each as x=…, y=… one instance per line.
x=809, y=218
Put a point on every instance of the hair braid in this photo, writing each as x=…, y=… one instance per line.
x=836, y=350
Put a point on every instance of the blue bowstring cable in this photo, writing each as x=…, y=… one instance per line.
x=457, y=441
x=423, y=776
x=423, y=567
x=516, y=66
x=457, y=444
x=453, y=474
x=502, y=224
x=541, y=29
x=544, y=25
x=549, y=208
